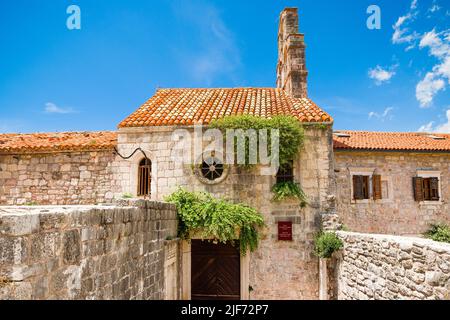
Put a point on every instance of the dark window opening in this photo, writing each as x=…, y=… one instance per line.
x=429, y=188
x=212, y=168
x=360, y=187
x=144, y=178
x=286, y=173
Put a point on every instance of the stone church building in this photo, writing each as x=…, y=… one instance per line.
x=375, y=182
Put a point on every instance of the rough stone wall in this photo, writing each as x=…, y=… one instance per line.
x=85, y=252
x=278, y=270
x=399, y=214
x=57, y=178
x=291, y=68
x=392, y=267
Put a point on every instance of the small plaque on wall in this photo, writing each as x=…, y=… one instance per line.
x=284, y=230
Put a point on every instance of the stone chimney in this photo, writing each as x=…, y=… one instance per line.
x=291, y=68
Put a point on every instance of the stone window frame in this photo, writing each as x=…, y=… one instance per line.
x=286, y=177
x=134, y=172
x=424, y=173
x=142, y=185
x=370, y=172
x=198, y=172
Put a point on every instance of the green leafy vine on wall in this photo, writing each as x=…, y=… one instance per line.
x=291, y=139
x=202, y=215
x=290, y=132
x=289, y=190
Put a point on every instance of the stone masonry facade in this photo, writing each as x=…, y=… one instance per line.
x=85, y=252
x=58, y=178
x=278, y=269
x=86, y=241
x=397, y=213
x=291, y=68
x=383, y=267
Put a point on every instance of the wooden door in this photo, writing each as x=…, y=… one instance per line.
x=215, y=271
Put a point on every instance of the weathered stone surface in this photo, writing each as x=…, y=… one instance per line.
x=408, y=276
x=291, y=68
x=85, y=253
x=278, y=269
x=71, y=247
x=65, y=178
x=397, y=213
x=19, y=225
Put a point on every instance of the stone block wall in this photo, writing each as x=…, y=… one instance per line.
x=291, y=67
x=397, y=213
x=58, y=178
x=86, y=252
x=278, y=269
x=392, y=267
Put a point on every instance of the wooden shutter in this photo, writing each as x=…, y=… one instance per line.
x=376, y=185
x=434, y=189
x=358, y=192
x=418, y=188
x=366, y=192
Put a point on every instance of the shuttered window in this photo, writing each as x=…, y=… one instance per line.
x=360, y=187
x=426, y=189
x=144, y=178
x=434, y=189
x=418, y=188
x=377, y=188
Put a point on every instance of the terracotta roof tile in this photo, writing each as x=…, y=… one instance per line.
x=401, y=141
x=190, y=106
x=51, y=142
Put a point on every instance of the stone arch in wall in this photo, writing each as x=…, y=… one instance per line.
x=134, y=164
x=144, y=178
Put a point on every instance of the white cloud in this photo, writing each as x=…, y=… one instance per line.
x=386, y=115
x=440, y=48
x=381, y=75
x=426, y=127
x=401, y=33
x=441, y=128
x=373, y=114
x=427, y=88
x=434, y=8
x=410, y=47
x=437, y=79
x=50, y=107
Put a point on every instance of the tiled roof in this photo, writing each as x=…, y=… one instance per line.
x=189, y=106
x=407, y=141
x=51, y=142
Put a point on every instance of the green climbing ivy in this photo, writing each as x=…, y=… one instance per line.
x=290, y=131
x=200, y=214
x=289, y=190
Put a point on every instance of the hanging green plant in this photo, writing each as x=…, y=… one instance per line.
x=289, y=190
x=290, y=132
x=200, y=214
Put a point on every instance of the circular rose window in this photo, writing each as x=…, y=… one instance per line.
x=211, y=171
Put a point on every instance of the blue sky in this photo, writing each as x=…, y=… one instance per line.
x=55, y=79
